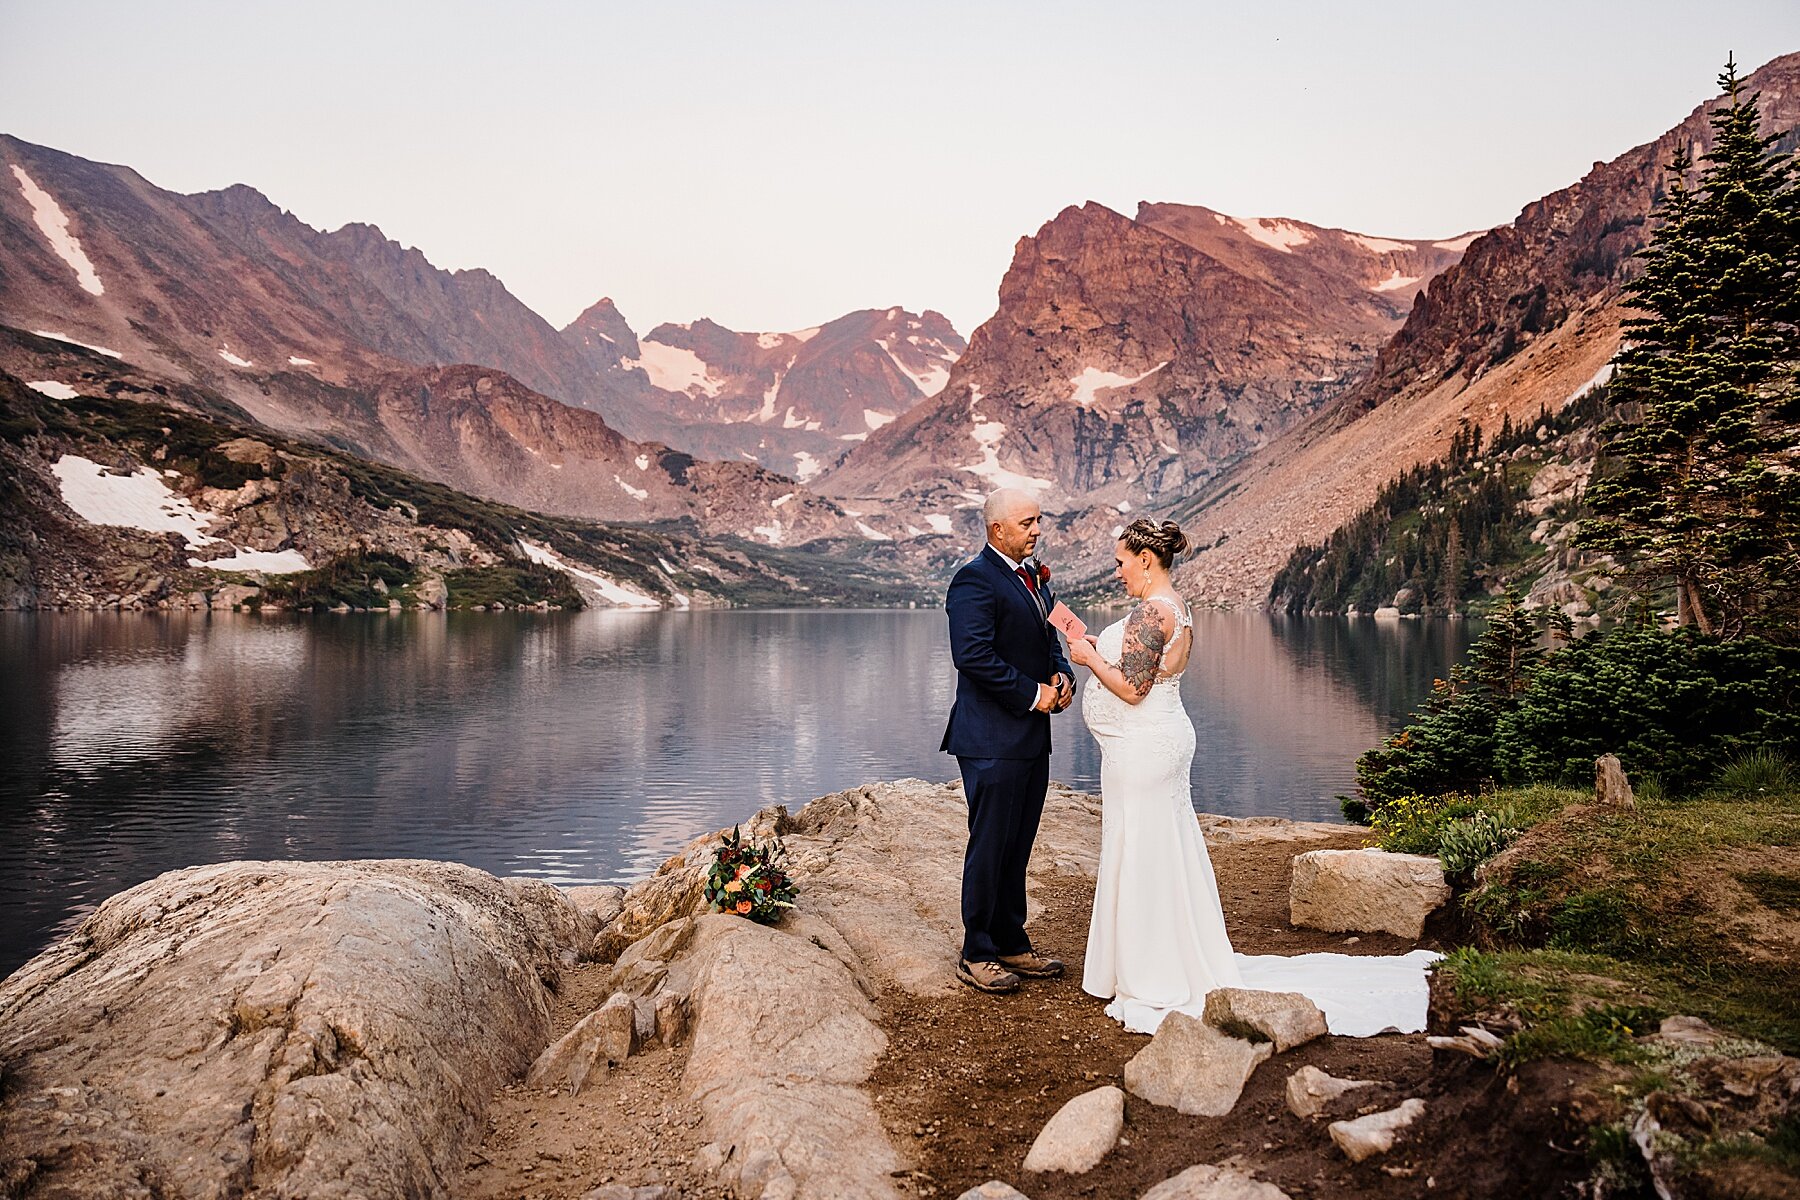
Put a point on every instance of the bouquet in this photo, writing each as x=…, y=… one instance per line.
x=749, y=880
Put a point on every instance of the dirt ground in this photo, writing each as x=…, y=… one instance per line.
x=969, y=1080
x=632, y=1127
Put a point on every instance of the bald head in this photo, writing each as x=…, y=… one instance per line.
x=1003, y=503
x=1011, y=519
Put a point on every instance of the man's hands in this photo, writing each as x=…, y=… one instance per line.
x=1056, y=695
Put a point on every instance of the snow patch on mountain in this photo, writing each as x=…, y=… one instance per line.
x=875, y=420
x=1093, y=380
x=60, y=337
x=53, y=389
x=1275, y=234
x=673, y=369
x=1601, y=376
x=806, y=467
x=1379, y=245
x=988, y=434
x=939, y=523
x=636, y=493
x=1395, y=282
x=226, y=354
x=618, y=594
x=140, y=500
x=930, y=381
x=269, y=562
x=296, y=361
x=871, y=533
x=1459, y=245
x=54, y=224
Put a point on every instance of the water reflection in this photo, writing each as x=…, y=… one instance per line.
x=571, y=748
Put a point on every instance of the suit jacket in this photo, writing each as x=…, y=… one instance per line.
x=1003, y=648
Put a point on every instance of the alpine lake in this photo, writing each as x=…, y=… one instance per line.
x=574, y=747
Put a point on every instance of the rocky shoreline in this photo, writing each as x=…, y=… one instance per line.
x=402, y=1028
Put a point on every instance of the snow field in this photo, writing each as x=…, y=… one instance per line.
x=54, y=224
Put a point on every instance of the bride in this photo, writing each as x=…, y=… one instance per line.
x=1157, y=939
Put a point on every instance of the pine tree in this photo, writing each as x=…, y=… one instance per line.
x=1699, y=490
x=1502, y=658
x=1451, y=587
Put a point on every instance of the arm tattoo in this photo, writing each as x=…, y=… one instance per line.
x=1144, y=641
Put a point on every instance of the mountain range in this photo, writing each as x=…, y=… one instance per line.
x=1258, y=378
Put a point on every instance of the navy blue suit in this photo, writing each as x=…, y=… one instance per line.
x=1003, y=648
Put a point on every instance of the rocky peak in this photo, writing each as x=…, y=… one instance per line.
x=1130, y=360
x=602, y=334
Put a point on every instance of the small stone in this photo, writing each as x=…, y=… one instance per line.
x=671, y=1018
x=1374, y=1134
x=1688, y=1031
x=571, y=1058
x=1310, y=1090
x=1082, y=1132
x=993, y=1189
x=618, y=1026
x=710, y=1158
x=1286, y=1018
x=1194, y=1068
x=1207, y=1182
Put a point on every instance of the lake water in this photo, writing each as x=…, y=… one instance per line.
x=573, y=747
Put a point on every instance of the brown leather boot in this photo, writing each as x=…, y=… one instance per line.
x=1032, y=965
x=987, y=976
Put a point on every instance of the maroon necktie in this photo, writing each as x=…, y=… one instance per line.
x=1029, y=581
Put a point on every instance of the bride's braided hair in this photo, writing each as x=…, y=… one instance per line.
x=1161, y=538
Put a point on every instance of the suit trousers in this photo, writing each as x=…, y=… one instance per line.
x=1006, y=802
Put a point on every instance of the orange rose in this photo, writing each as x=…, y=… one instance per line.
x=734, y=886
x=743, y=906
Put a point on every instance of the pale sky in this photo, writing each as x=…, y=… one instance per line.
x=775, y=165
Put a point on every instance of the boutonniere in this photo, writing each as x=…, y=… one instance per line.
x=1043, y=574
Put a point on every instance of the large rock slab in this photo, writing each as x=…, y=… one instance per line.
x=1193, y=1068
x=1365, y=891
x=1374, y=1134
x=782, y=1038
x=1286, y=1018
x=282, y=1029
x=1082, y=1132
x=1206, y=1182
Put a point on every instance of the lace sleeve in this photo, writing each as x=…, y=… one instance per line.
x=1141, y=656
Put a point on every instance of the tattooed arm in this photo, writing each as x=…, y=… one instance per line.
x=1147, y=631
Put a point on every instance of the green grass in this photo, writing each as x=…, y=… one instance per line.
x=1756, y=773
x=512, y=585
x=1649, y=900
x=350, y=580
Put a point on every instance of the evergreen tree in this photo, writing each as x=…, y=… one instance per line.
x=1699, y=490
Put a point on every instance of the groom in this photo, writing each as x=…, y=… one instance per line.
x=1010, y=676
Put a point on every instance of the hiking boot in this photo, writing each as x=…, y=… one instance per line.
x=1032, y=965
x=986, y=976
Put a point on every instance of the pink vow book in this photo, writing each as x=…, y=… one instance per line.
x=1070, y=624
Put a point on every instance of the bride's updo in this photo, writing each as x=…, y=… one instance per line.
x=1161, y=538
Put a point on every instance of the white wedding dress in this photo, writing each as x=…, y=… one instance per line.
x=1157, y=942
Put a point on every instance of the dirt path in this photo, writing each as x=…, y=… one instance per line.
x=634, y=1127
x=969, y=1080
